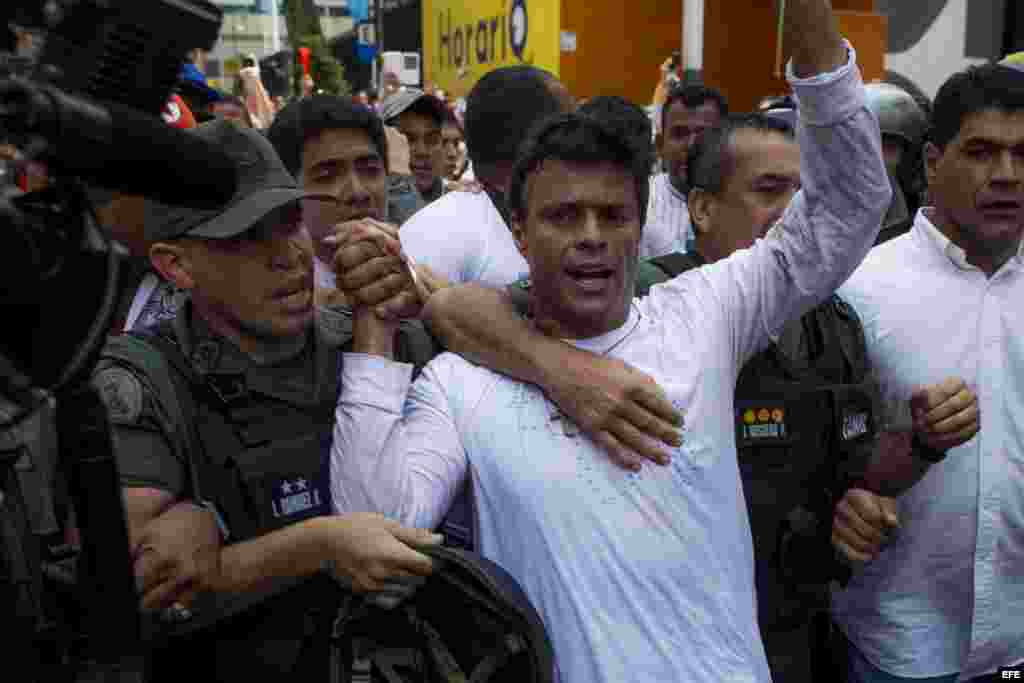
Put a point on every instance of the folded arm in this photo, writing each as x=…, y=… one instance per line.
x=180, y=554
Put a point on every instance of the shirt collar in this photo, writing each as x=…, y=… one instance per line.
x=956, y=255
x=603, y=343
x=940, y=242
x=676, y=194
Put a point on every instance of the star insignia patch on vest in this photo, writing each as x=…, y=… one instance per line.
x=121, y=392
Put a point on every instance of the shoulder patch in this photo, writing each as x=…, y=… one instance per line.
x=121, y=392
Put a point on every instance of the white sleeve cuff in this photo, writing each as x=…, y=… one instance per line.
x=374, y=381
x=827, y=98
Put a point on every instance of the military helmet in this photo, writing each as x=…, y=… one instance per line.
x=898, y=112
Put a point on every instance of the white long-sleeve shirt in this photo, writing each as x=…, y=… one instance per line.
x=947, y=594
x=668, y=227
x=646, y=576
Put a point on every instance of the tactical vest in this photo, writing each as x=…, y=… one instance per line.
x=805, y=426
x=262, y=462
x=258, y=452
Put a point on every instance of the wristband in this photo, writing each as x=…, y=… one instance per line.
x=923, y=451
x=221, y=524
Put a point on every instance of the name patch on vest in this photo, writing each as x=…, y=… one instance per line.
x=293, y=496
x=763, y=423
x=855, y=425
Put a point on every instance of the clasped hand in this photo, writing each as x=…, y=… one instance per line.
x=371, y=270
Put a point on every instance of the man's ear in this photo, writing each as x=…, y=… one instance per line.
x=519, y=235
x=932, y=156
x=174, y=263
x=701, y=204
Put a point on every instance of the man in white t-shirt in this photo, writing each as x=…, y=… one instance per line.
x=465, y=236
x=688, y=112
x=642, y=575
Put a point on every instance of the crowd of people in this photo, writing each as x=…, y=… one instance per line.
x=710, y=386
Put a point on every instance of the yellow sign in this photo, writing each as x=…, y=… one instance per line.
x=464, y=39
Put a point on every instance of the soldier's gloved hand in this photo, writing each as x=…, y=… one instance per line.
x=177, y=556
x=862, y=525
x=945, y=415
x=622, y=409
x=372, y=554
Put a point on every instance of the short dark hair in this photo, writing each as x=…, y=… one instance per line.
x=989, y=86
x=450, y=119
x=626, y=118
x=502, y=108
x=710, y=162
x=578, y=138
x=692, y=96
x=310, y=116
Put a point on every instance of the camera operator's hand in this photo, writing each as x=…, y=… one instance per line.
x=177, y=556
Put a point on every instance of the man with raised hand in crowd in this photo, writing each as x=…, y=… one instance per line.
x=221, y=419
x=645, y=573
x=805, y=406
x=940, y=597
x=689, y=111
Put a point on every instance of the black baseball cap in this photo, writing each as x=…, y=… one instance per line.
x=264, y=184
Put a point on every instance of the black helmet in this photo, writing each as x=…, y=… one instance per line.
x=897, y=111
x=471, y=621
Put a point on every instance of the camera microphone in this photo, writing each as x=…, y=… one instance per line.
x=118, y=148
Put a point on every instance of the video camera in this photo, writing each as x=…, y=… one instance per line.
x=85, y=101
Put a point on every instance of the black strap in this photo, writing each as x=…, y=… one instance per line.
x=498, y=199
x=893, y=231
x=677, y=262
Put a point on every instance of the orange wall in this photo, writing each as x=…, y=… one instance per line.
x=739, y=56
x=620, y=45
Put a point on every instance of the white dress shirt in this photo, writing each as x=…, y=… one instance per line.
x=668, y=227
x=947, y=594
x=643, y=576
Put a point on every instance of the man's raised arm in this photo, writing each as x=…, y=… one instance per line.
x=831, y=222
x=813, y=33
